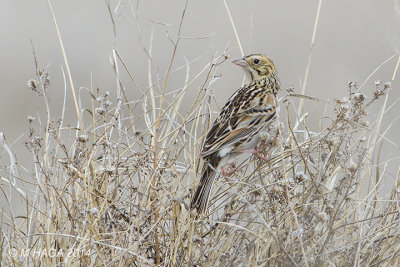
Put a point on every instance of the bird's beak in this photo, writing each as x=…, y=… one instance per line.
x=241, y=62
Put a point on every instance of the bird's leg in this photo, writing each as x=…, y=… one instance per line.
x=228, y=169
x=257, y=152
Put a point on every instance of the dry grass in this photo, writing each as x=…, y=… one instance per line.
x=113, y=189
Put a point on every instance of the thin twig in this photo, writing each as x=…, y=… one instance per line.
x=310, y=54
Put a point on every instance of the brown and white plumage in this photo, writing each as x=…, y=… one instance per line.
x=247, y=112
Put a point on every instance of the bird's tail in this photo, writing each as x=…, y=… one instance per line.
x=200, y=198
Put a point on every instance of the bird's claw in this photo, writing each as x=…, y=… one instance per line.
x=228, y=169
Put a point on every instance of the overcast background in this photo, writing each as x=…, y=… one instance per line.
x=353, y=38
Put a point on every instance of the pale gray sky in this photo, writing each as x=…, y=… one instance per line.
x=352, y=39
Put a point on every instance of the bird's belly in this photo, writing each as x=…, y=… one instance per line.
x=252, y=142
x=225, y=151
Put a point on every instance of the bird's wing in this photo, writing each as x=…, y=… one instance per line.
x=236, y=126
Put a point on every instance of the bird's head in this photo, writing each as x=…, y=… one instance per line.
x=256, y=66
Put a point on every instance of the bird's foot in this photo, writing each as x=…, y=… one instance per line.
x=259, y=155
x=258, y=152
x=228, y=169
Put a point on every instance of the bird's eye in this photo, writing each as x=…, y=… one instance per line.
x=256, y=61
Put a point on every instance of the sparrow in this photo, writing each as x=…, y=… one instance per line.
x=237, y=129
